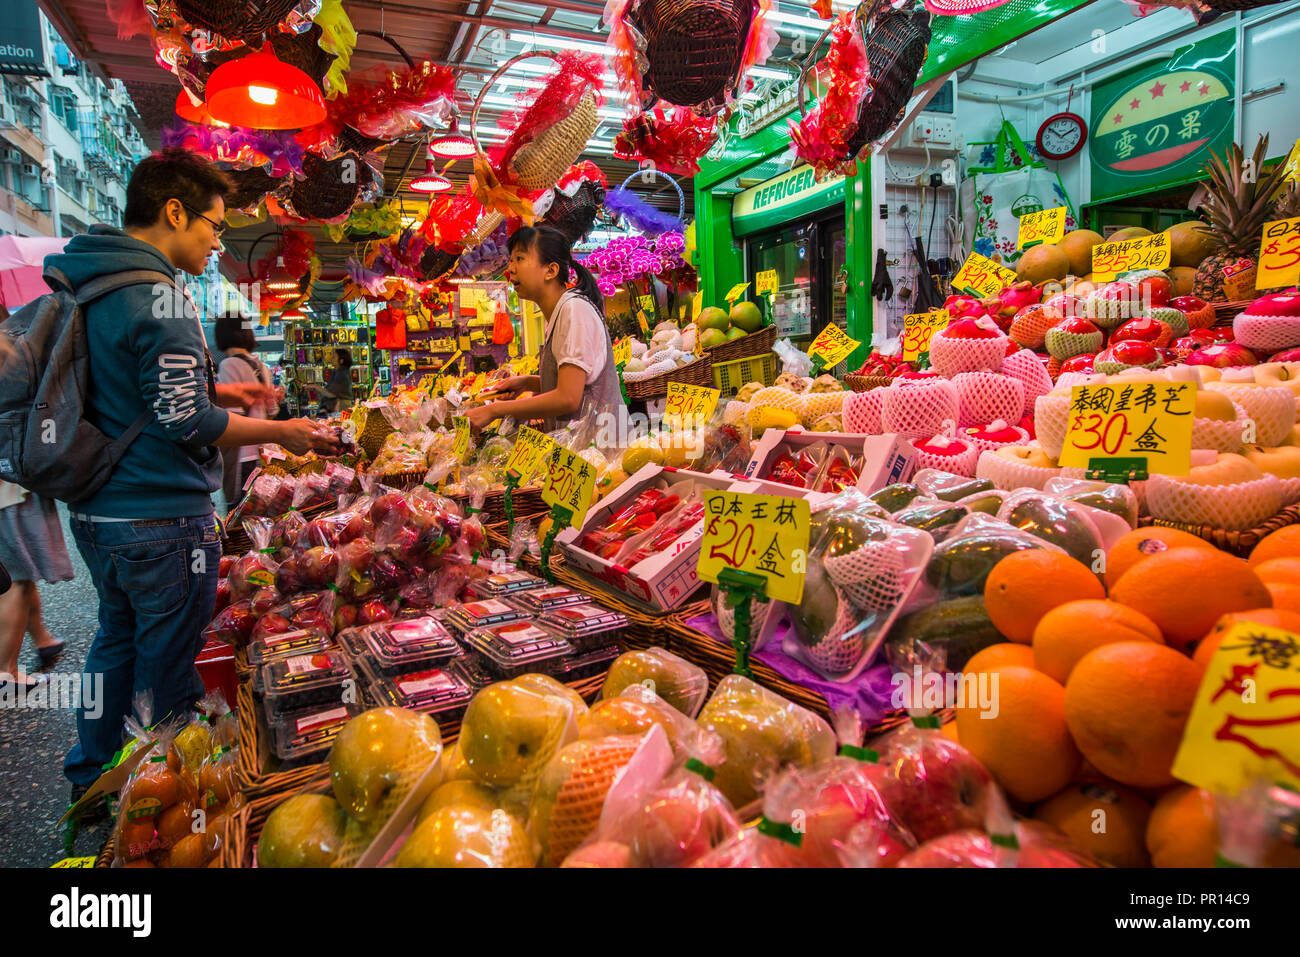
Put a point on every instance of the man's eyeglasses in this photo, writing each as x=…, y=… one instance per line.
x=217, y=228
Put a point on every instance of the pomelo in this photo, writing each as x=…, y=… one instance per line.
x=1043, y=263
x=1077, y=246
x=711, y=338
x=746, y=316
x=735, y=332
x=712, y=318
x=1189, y=243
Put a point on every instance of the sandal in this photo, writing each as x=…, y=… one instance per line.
x=11, y=682
x=50, y=654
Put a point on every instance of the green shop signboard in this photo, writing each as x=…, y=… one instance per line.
x=1155, y=125
x=783, y=198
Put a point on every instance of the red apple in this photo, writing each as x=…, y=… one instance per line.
x=314, y=619
x=233, y=625
x=1288, y=355
x=1012, y=346
x=223, y=595
x=287, y=580
x=318, y=566
x=223, y=567
x=1144, y=329
x=933, y=785
x=392, y=507
x=345, y=616
x=1063, y=306
x=1222, y=356
x=355, y=556
x=1188, y=303
x=1120, y=292
x=1168, y=356
x=374, y=611
x=1134, y=352
x=264, y=599
x=1155, y=290
x=1078, y=325
x=271, y=624
x=1081, y=363
x=982, y=328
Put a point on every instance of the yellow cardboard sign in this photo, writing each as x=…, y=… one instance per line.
x=1293, y=164
x=643, y=322
x=530, y=448
x=74, y=862
x=736, y=292
x=1279, y=254
x=454, y=356
x=766, y=282
x=693, y=402
x=622, y=352
x=1245, y=722
x=832, y=346
x=917, y=330
x=1131, y=420
x=697, y=304
x=981, y=276
x=462, y=435
x=570, y=482
x=1046, y=226
x=646, y=302
x=1110, y=260
x=763, y=534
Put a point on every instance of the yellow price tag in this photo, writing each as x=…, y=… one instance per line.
x=462, y=435
x=981, y=276
x=832, y=346
x=763, y=534
x=1131, y=420
x=1045, y=226
x=691, y=402
x=736, y=292
x=1293, y=164
x=622, y=352
x=74, y=862
x=697, y=304
x=530, y=448
x=767, y=282
x=1245, y=722
x=643, y=322
x=1279, y=254
x=917, y=330
x=570, y=482
x=646, y=302
x=1110, y=260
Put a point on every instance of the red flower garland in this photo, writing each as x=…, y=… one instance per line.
x=672, y=139
x=822, y=136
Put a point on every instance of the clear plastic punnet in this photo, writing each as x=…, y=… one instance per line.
x=508, y=583
x=287, y=644
x=518, y=647
x=586, y=626
x=307, y=734
x=546, y=599
x=482, y=614
x=399, y=647
x=587, y=663
x=303, y=681
x=439, y=692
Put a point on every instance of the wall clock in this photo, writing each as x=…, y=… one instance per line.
x=1061, y=136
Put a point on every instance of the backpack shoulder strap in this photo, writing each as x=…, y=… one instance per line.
x=102, y=285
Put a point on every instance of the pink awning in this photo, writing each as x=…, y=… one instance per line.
x=22, y=262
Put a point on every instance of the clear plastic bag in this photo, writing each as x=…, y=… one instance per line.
x=1055, y=520
x=1110, y=497
x=961, y=563
x=656, y=671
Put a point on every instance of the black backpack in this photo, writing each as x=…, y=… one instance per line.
x=46, y=444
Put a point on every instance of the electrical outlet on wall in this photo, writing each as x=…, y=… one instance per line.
x=934, y=131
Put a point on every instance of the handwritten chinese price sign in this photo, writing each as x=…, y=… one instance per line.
x=530, y=448
x=763, y=534
x=569, y=483
x=1137, y=420
x=981, y=276
x=1279, y=254
x=1293, y=164
x=917, y=330
x=690, y=403
x=766, y=282
x=1245, y=722
x=622, y=352
x=1046, y=226
x=736, y=291
x=832, y=346
x=462, y=435
x=1109, y=260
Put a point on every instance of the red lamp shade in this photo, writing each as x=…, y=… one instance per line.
x=186, y=110
x=430, y=182
x=262, y=92
x=453, y=144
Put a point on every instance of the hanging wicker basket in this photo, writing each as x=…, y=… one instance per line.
x=330, y=188
x=246, y=20
x=694, y=47
x=575, y=215
x=484, y=228
x=251, y=187
x=648, y=174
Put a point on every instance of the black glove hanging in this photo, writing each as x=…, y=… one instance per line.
x=882, y=287
x=927, y=292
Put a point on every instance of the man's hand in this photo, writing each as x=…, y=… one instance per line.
x=301, y=436
x=244, y=395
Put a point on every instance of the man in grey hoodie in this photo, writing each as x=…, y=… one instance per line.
x=149, y=536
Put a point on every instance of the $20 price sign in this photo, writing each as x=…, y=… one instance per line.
x=1131, y=420
x=570, y=482
x=763, y=534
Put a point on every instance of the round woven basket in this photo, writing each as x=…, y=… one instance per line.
x=485, y=227
x=245, y=20
x=575, y=215
x=330, y=188
x=251, y=187
x=694, y=47
x=303, y=50
x=646, y=175
x=435, y=263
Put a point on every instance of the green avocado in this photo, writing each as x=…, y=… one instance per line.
x=896, y=496
x=988, y=504
x=1110, y=500
x=960, y=626
x=961, y=488
x=1052, y=521
x=937, y=518
x=960, y=567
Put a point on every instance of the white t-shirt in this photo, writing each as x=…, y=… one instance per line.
x=576, y=332
x=235, y=369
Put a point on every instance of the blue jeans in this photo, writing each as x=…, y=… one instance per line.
x=157, y=585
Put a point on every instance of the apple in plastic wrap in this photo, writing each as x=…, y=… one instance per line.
x=1039, y=847
x=931, y=784
x=509, y=733
x=306, y=830
x=635, y=711
x=466, y=836
x=679, y=824
x=600, y=854
x=545, y=684
x=760, y=732
x=454, y=767
x=679, y=682
x=377, y=752
x=570, y=792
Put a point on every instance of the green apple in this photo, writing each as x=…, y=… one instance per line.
x=377, y=751
x=712, y=318
x=510, y=732
x=304, y=831
x=463, y=836
x=463, y=793
x=570, y=793
x=679, y=682
x=745, y=315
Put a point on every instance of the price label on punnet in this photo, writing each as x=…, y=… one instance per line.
x=1279, y=254
x=832, y=346
x=763, y=534
x=918, y=328
x=981, y=276
x=462, y=435
x=531, y=447
x=1045, y=226
x=569, y=482
x=1111, y=260
x=693, y=402
x=1131, y=420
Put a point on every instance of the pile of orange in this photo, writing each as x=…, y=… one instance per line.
x=1098, y=678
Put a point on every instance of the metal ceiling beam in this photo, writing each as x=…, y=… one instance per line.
x=497, y=23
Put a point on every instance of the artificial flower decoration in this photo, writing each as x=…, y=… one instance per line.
x=673, y=139
x=276, y=151
x=822, y=136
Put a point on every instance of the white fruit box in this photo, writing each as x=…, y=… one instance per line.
x=667, y=578
x=886, y=459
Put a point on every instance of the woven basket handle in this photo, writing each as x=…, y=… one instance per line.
x=478, y=100
x=391, y=42
x=865, y=14
x=681, y=199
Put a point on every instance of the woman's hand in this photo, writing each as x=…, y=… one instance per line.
x=512, y=386
x=301, y=436
x=481, y=417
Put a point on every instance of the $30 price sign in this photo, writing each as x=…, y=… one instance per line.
x=981, y=276
x=763, y=534
x=1044, y=226
x=570, y=482
x=832, y=346
x=1279, y=254
x=690, y=403
x=1131, y=420
x=531, y=447
x=1110, y=260
x=918, y=328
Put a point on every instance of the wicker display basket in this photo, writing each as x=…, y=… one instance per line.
x=865, y=383
x=246, y=20
x=329, y=188
x=1225, y=312
x=252, y=186
x=755, y=344
x=575, y=215
x=1235, y=542
x=699, y=372
x=694, y=48
x=648, y=174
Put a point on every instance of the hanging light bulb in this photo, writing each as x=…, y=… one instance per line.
x=452, y=144
x=262, y=92
x=279, y=279
x=431, y=182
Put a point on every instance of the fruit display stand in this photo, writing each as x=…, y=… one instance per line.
x=755, y=344
x=1239, y=543
x=699, y=372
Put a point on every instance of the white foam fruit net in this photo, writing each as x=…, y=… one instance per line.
x=862, y=411
x=736, y=413
x=567, y=809
x=961, y=464
x=1272, y=408
x=985, y=396
x=817, y=404
x=1032, y=374
x=919, y=410
x=1008, y=474
x=1051, y=414
x=758, y=611
x=950, y=356
x=774, y=398
x=1232, y=507
x=1266, y=333
x=1219, y=435
x=869, y=582
x=1290, y=491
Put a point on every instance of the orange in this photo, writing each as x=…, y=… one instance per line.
x=1286, y=596
x=1070, y=631
x=1026, y=585
x=1185, y=590
x=1022, y=739
x=1284, y=543
x=1104, y=819
x=1278, y=571
x=1182, y=831
x=999, y=656
x=1282, y=618
x=1142, y=543
x=1126, y=705
x=949, y=730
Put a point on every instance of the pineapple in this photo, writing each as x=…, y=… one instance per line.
x=1238, y=205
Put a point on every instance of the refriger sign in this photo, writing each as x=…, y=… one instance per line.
x=783, y=198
